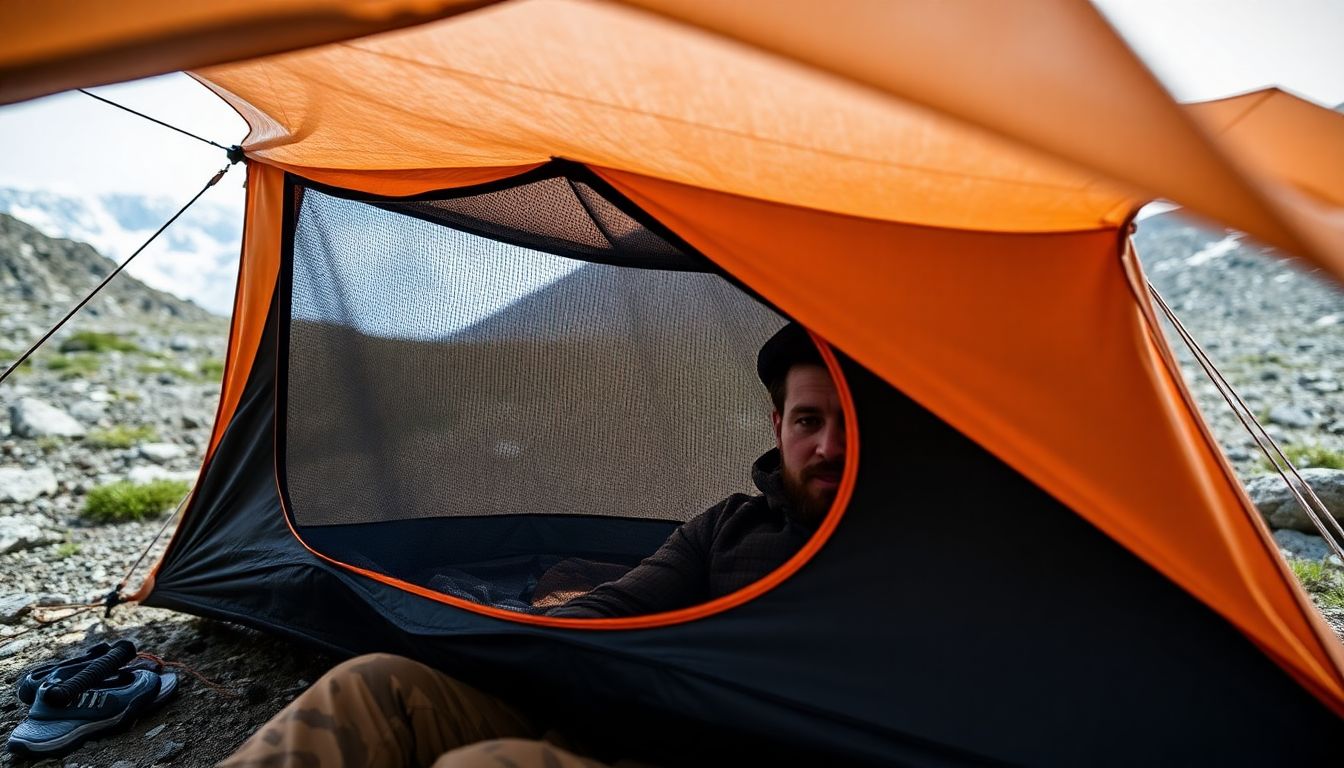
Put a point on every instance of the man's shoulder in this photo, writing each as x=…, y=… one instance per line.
x=734, y=508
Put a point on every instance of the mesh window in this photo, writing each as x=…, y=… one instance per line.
x=434, y=375
x=557, y=215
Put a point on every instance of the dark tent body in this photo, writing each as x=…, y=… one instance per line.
x=958, y=614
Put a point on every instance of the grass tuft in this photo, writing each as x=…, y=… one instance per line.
x=212, y=369
x=7, y=358
x=1309, y=456
x=125, y=501
x=157, y=368
x=66, y=549
x=96, y=341
x=1312, y=574
x=1321, y=580
x=121, y=436
x=74, y=366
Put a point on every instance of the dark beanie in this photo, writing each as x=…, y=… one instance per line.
x=790, y=346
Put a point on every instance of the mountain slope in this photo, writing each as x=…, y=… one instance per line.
x=195, y=258
x=41, y=277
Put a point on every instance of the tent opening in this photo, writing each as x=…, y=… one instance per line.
x=507, y=394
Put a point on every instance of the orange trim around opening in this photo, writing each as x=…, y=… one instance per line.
x=649, y=621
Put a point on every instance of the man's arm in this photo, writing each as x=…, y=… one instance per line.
x=676, y=576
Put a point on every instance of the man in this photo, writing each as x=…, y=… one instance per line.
x=743, y=538
x=388, y=710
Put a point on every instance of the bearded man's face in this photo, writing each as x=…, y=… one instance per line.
x=810, y=433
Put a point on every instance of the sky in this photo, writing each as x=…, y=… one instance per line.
x=1200, y=49
x=72, y=143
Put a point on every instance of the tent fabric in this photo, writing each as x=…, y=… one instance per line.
x=63, y=44
x=944, y=232
x=861, y=154
x=1035, y=346
x=1102, y=119
x=952, y=219
x=1255, y=126
x=1090, y=101
x=1074, y=392
x=946, y=649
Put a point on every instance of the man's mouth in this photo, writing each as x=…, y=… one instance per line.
x=827, y=477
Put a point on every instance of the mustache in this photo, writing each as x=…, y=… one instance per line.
x=823, y=468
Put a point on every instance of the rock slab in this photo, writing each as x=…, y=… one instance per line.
x=1302, y=546
x=161, y=453
x=24, y=485
x=24, y=532
x=15, y=607
x=1279, y=506
x=31, y=417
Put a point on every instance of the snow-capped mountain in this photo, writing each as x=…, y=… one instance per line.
x=196, y=258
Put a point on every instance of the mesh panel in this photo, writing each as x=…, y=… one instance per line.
x=558, y=216
x=433, y=373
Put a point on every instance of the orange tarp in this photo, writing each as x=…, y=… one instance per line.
x=981, y=277
x=1053, y=77
x=56, y=45
x=1082, y=122
x=1302, y=142
x=1035, y=346
x=622, y=89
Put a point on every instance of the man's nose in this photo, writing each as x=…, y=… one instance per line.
x=832, y=443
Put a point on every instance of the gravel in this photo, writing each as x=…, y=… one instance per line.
x=50, y=556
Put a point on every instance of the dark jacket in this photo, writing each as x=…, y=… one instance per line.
x=725, y=548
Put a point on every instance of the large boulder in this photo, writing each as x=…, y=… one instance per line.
x=1280, y=508
x=31, y=417
x=24, y=485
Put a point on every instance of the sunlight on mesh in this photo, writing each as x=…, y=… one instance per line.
x=404, y=251
x=433, y=373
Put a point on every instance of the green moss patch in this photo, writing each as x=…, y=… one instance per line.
x=74, y=366
x=125, y=501
x=1304, y=456
x=1324, y=582
x=121, y=436
x=95, y=341
x=212, y=369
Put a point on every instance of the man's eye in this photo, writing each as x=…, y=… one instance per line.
x=806, y=421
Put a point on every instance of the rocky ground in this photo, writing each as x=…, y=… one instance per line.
x=1276, y=332
x=50, y=458
x=76, y=420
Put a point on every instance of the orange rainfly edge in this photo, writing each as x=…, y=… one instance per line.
x=848, y=479
x=258, y=267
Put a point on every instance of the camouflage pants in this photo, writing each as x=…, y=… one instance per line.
x=383, y=710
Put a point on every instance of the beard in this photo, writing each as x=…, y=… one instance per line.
x=810, y=505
